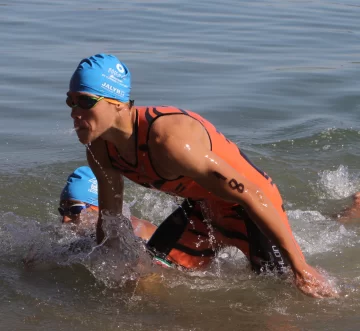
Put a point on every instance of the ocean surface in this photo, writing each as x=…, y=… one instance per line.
x=279, y=77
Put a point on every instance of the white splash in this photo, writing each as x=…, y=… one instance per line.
x=337, y=184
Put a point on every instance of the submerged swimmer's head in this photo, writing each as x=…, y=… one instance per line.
x=102, y=75
x=79, y=195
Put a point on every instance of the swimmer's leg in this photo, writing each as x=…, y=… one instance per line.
x=263, y=254
x=169, y=231
x=183, y=238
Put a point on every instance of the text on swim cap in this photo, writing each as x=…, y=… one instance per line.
x=94, y=186
x=113, y=89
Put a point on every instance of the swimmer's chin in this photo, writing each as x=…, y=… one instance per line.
x=86, y=136
x=85, y=140
x=83, y=136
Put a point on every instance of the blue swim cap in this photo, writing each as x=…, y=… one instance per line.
x=103, y=75
x=81, y=185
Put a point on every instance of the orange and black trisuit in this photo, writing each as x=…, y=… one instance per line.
x=204, y=223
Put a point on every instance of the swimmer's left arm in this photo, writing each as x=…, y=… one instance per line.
x=110, y=184
x=179, y=150
x=217, y=176
x=193, y=160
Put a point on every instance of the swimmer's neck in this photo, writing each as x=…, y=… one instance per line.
x=122, y=133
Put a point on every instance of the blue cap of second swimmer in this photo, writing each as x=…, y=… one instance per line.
x=82, y=186
x=103, y=75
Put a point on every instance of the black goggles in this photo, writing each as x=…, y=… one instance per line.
x=87, y=101
x=72, y=210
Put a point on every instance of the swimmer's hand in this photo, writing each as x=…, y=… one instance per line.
x=310, y=282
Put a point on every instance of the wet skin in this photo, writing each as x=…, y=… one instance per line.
x=352, y=213
x=179, y=146
x=88, y=217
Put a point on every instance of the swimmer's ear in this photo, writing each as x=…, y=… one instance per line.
x=120, y=106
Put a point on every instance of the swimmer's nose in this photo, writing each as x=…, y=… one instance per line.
x=75, y=113
x=66, y=219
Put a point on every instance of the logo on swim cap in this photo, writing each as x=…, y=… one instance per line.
x=97, y=75
x=120, y=68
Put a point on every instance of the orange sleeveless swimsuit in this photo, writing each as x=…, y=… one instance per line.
x=204, y=224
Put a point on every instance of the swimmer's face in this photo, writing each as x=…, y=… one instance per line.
x=76, y=212
x=96, y=118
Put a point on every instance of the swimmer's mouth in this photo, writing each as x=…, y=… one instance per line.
x=79, y=127
x=80, y=124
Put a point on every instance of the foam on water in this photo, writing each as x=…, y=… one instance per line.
x=48, y=244
x=337, y=184
x=150, y=205
x=318, y=234
x=228, y=282
x=121, y=256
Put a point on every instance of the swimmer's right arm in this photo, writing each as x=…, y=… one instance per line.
x=110, y=183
